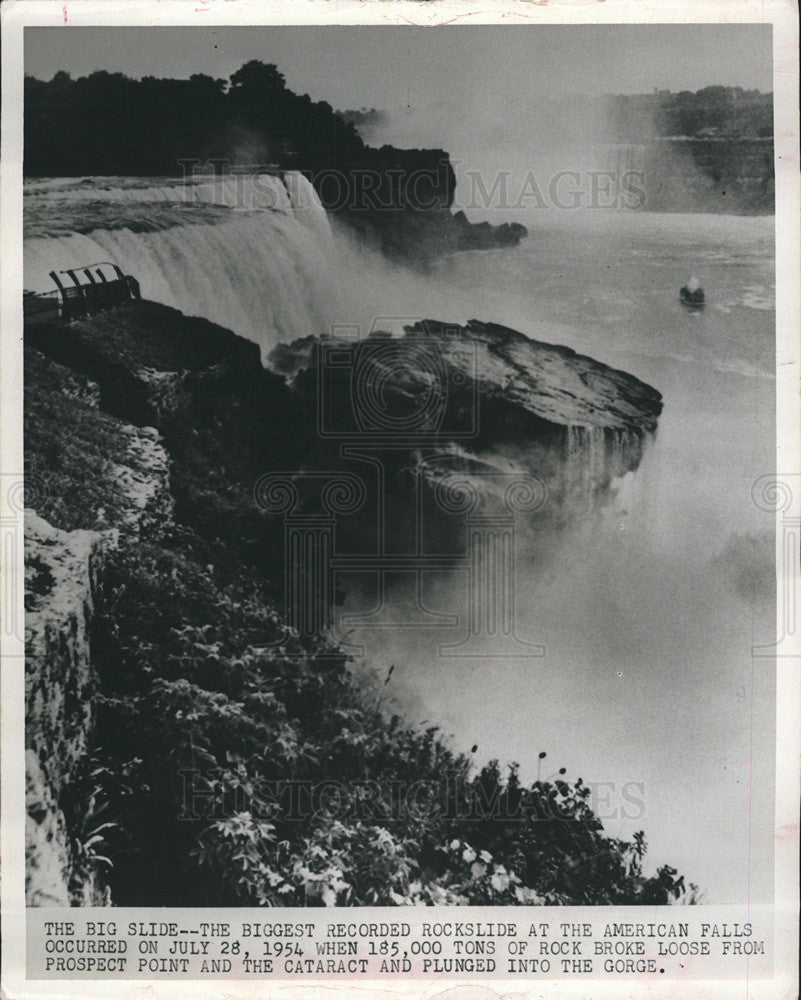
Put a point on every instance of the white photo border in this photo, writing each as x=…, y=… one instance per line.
x=783, y=15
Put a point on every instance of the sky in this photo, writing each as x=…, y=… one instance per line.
x=398, y=67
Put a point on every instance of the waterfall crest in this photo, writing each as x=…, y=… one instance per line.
x=266, y=269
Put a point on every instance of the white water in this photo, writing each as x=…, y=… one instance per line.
x=265, y=269
x=290, y=193
x=648, y=612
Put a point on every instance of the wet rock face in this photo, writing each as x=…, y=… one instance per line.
x=497, y=365
x=143, y=479
x=482, y=399
x=483, y=235
x=49, y=865
x=548, y=380
x=61, y=574
x=418, y=238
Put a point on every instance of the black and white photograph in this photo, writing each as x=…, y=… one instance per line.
x=404, y=533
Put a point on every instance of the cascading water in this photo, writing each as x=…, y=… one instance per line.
x=594, y=456
x=265, y=268
x=651, y=592
x=621, y=158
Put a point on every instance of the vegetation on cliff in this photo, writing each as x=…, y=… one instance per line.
x=245, y=767
x=224, y=760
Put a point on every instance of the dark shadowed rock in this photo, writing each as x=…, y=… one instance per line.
x=496, y=399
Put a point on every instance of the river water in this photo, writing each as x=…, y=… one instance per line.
x=649, y=610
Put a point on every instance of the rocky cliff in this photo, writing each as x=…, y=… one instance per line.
x=62, y=570
x=503, y=401
x=480, y=399
x=100, y=479
x=151, y=431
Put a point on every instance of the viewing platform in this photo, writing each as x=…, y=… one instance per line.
x=81, y=291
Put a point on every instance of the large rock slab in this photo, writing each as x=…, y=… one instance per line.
x=481, y=399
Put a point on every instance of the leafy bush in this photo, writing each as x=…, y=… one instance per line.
x=258, y=771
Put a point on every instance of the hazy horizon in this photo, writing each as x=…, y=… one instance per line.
x=362, y=66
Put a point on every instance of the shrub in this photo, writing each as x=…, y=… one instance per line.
x=224, y=725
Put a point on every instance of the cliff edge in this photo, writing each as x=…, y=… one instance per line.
x=157, y=645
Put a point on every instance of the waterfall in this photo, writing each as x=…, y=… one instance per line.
x=266, y=269
x=283, y=192
x=594, y=456
x=621, y=158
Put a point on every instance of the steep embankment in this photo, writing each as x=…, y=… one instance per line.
x=61, y=578
x=96, y=479
x=164, y=687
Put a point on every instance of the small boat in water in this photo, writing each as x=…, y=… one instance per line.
x=691, y=294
